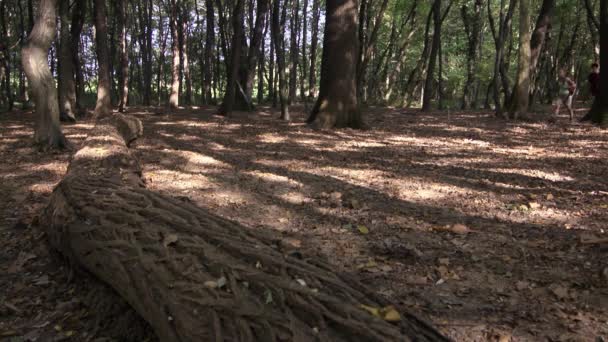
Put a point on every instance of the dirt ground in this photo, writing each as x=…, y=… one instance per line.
x=491, y=230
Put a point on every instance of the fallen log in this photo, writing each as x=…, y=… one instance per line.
x=194, y=276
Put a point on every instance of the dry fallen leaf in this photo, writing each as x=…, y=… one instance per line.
x=363, y=229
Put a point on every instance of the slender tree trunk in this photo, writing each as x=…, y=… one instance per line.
x=123, y=75
x=278, y=30
x=473, y=27
x=312, y=80
x=293, y=50
x=500, y=32
x=67, y=87
x=304, y=42
x=367, y=50
x=78, y=15
x=185, y=53
x=5, y=57
x=337, y=105
x=175, y=66
x=209, y=47
x=34, y=57
x=160, y=84
x=235, y=59
x=271, y=58
x=521, y=98
x=430, y=74
x=104, y=103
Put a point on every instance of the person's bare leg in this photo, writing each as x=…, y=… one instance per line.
x=571, y=109
x=558, y=106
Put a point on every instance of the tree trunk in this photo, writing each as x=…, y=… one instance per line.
x=521, y=98
x=5, y=57
x=194, y=276
x=337, y=105
x=293, y=50
x=78, y=15
x=366, y=51
x=303, y=62
x=34, y=57
x=500, y=33
x=209, y=41
x=67, y=87
x=430, y=74
x=312, y=80
x=235, y=59
x=104, y=103
x=599, y=111
x=185, y=54
x=278, y=30
x=175, y=65
x=123, y=75
x=473, y=27
x=539, y=35
x=249, y=62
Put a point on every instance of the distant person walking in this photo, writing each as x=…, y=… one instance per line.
x=567, y=88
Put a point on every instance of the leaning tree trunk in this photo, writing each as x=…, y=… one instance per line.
x=337, y=104
x=194, y=276
x=104, y=102
x=67, y=86
x=34, y=57
x=599, y=111
x=430, y=74
x=521, y=98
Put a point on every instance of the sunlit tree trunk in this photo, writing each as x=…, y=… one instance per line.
x=104, y=104
x=175, y=65
x=312, y=79
x=337, y=105
x=34, y=57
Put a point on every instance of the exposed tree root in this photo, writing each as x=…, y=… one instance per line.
x=194, y=276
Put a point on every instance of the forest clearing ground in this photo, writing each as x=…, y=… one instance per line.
x=474, y=222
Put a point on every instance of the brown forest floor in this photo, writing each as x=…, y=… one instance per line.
x=484, y=227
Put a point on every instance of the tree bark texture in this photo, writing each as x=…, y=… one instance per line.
x=104, y=101
x=521, y=98
x=34, y=54
x=175, y=65
x=337, y=105
x=599, y=111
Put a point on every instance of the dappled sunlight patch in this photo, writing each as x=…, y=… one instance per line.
x=95, y=152
x=271, y=138
x=550, y=176
x=274, y=178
